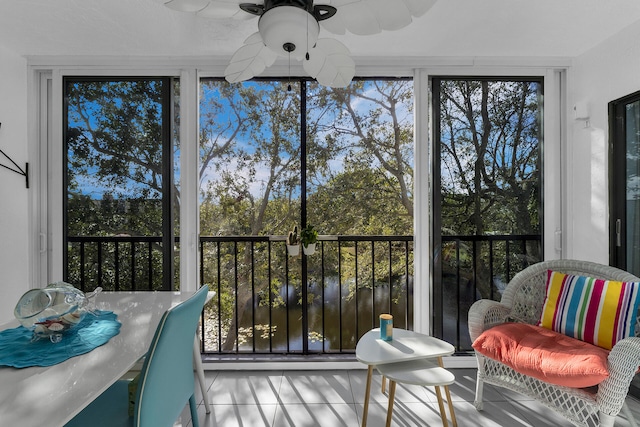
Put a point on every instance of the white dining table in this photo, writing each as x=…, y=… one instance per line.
x=51, y=396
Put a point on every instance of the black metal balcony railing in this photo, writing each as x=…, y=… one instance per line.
x=262, y=306
x=269, y=302
x=118, y=263
x=468, y=268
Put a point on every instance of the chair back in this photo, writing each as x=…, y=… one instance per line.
x=525, y=294
x=166, y=379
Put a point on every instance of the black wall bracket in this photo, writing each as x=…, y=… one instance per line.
x=18, y=169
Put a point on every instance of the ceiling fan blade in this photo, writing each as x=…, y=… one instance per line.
x=250, y=60
x=419, y=7
x=220, y=9
x=330, y=63
x=224, y=9
x=356, y=17
x=365, y=17
x=186, y=5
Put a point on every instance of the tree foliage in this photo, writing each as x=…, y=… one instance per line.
x=490, y=152
x=114, y=174
x=368, y=126
x=490, y=183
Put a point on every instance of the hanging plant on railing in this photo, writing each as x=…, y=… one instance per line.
x=293, y=242
x=308, y=237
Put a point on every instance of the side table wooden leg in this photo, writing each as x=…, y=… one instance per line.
x=392, y=396
x=367, y=392
x=453, y=414
x=449, y=402
x=384, y=384
x=443, y=414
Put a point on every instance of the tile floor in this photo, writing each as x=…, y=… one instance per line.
x=335, y=398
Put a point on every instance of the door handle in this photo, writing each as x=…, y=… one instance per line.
x=43, y=243
x=558, y=240
x=618, y=232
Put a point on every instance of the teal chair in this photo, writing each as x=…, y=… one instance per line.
x=166, y=381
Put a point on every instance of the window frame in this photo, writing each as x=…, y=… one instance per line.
x=555, y=232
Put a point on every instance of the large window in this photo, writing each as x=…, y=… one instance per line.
x=120, y=195
x=488, y=192
x=271, y=158
x=338, y=159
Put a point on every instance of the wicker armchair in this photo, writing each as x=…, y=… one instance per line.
x=522, y=301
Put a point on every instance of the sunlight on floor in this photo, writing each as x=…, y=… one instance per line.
x=336, y=398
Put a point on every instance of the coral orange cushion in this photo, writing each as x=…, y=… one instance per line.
x=544, y=354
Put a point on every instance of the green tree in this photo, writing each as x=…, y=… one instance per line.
x=490, y=145
x=250, y=137
x=114, y=168
x=369, y=127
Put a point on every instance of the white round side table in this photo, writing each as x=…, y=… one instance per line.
x=405, y=346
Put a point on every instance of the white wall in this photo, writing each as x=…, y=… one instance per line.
x=604, y=73
x=14, y=196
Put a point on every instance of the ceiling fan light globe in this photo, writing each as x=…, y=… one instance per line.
x=283, y=25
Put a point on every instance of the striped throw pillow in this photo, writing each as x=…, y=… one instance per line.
x=600, y=312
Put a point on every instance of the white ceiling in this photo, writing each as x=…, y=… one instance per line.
x=458, y=28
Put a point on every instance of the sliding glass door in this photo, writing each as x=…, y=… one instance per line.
x=624, y=123
x=625, y=183
x=487, y=192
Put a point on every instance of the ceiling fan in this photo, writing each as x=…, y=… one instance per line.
x=290, y=28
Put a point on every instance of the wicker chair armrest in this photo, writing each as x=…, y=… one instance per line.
x=484, y=314
x=623, y=360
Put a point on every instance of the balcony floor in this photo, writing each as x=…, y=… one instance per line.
x=335, y=398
